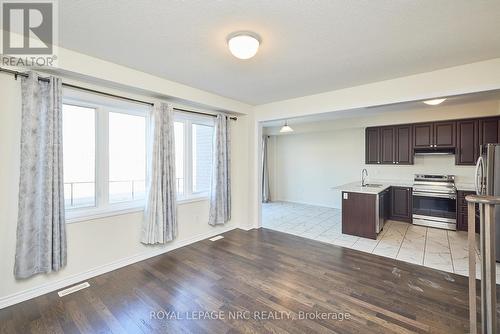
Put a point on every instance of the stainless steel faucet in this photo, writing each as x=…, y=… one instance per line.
x=364, y=174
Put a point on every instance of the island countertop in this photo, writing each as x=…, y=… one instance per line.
x=355, y=187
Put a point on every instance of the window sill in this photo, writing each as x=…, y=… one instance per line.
x=85, y=215
x=75, y=217
x=192, y=199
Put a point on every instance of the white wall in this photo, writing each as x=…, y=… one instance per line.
x=317, y=156
x=97, y=244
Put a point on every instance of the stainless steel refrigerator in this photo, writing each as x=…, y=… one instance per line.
x=487, y=181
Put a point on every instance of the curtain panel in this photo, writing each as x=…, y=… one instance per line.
x=160, y=217
x=220, y=190
x=41, y=233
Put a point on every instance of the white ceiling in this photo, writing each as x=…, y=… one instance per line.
x=307, y=46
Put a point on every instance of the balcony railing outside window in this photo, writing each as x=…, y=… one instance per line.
x=82, y=194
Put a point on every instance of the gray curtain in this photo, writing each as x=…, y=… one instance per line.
x=160, y=218
x=266, y=194
x=41, y=233
x=220, y=190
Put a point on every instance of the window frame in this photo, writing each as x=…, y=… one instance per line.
x=188, y=120
x=103, y=106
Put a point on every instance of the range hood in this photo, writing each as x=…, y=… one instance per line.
x=435, y=151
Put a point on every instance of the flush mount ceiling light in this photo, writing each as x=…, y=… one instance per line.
x=243, y=44
x=285, y=128
x=434, y=102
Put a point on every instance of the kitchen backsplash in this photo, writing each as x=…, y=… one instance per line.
x=424, y=164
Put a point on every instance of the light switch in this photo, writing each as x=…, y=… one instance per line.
x=346, y=195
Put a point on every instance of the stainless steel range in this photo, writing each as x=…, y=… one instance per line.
x=435, y=201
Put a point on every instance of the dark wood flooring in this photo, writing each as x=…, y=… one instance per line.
x=281, y=277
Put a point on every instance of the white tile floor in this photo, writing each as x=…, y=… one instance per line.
x=430, y=247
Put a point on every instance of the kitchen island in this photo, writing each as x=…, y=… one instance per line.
x=366, y=208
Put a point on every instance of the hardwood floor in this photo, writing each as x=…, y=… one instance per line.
x=256, y=271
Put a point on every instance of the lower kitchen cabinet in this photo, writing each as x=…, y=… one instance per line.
x=462, y=212
x=401, y=204
x=359, y=214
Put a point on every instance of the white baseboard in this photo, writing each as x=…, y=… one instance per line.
x=27, y=294
x=247, y=228
x=306, y=203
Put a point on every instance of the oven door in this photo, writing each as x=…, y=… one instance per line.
x=435, y=209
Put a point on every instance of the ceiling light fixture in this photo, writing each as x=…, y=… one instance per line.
x=243, y=44
x=285, y=128
x=434, y=102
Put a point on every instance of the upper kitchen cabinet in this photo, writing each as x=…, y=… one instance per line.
x=467, y=150
x=397, y=144
x=372, y=146
x=403, y=145
x=387, y=145
x=444, y=134
x=489, y=131
x=430, y=135
x=423, y=134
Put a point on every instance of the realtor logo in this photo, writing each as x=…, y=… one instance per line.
x=29, y=29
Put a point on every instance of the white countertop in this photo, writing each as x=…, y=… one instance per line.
x=356, y=186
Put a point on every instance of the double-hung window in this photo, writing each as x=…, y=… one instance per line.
x=193, y=155
x=104, y=155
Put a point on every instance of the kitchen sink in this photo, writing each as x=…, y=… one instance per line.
x=373, y=185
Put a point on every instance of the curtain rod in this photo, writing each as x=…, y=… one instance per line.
x=21, y=74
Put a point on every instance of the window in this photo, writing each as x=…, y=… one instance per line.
x=202, y=157
x=127, y=157
x=104, y=152
x=179, y=156
x=193, y=155
x=79, y=156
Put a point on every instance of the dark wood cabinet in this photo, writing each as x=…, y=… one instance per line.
x=467, y=150
x=489, y=131
x=397, y=144
x=462, y=212
x=372, y=146
x=444, y=134
x=430, y=135
x=423, y=134
x=403, y=145
x=385, y=204
x=401, y=204
x=387, y=145
x=359, y=214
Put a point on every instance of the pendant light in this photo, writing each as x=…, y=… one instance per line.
x=285, y=128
